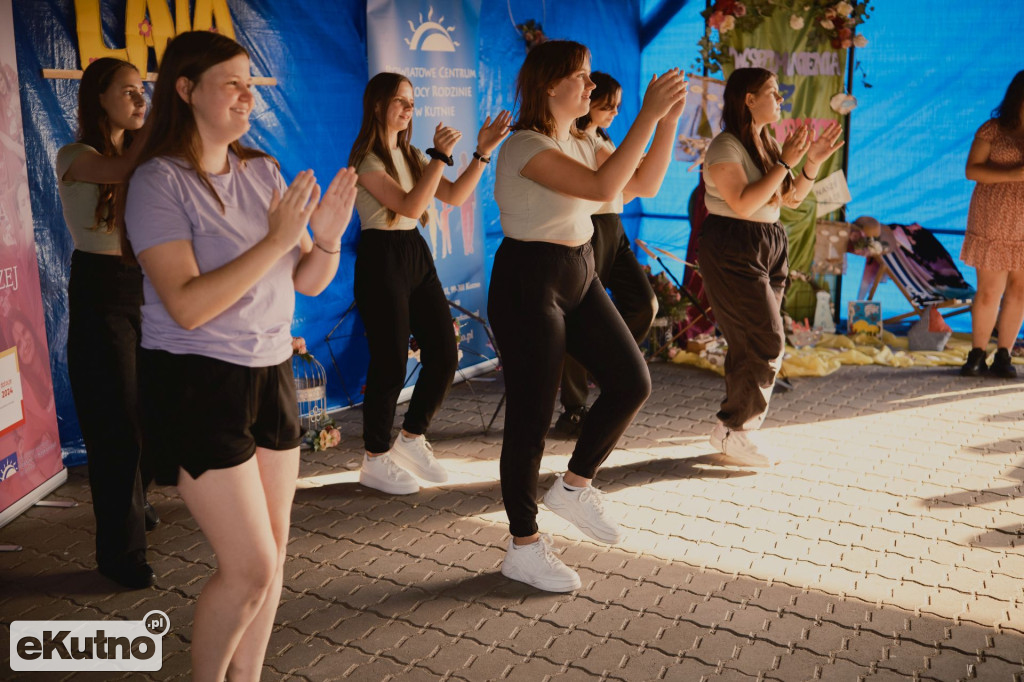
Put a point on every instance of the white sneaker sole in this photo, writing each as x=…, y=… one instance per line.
x=566, y=585
x=385, y=486
x=414, y=467
x=747, y=460
x=589, y=531
x=758, y=461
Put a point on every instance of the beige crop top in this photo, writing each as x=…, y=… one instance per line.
x=532, y=212
x=373, y=215
x=727, y=148
x=78, y=200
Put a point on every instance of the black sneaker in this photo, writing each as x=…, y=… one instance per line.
x=975, y=365
x=134, y=576
x=1002, y=366
x=570, y=423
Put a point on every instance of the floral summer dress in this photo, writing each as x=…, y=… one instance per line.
x=995, y=222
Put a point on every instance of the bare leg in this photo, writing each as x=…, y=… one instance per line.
x=991, y=284
x=279, y=472
x=1011, y=313
x=230, y=507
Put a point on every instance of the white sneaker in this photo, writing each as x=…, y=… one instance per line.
x=536, y=564
x=417, y=455
x=381, y=473
x=737, y=446
x=585, y=510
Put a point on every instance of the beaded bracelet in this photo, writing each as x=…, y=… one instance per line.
x=333, y=253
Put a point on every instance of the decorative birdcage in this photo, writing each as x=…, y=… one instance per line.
x=311, y=391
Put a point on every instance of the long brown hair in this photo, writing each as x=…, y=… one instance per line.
x=737, y=120
x=545, y=65
x=1008, y=112
x=373, y=132
x=174, y=131
x=94, y=130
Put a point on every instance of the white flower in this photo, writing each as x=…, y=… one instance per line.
x=860, y=41
x=844, y=8
x=728, y=24
x=827, y=24
x=796, y=22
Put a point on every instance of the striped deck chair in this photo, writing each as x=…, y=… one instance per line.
x=923, y=271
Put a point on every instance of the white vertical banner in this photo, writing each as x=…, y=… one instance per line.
x=434, y=43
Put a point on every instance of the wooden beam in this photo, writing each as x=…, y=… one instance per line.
x=659, y=18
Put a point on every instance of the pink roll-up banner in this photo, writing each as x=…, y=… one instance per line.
x=30, y=458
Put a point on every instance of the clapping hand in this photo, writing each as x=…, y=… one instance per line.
x=331, y=218
x=493, y=132
x=289, y=213
x=826, y=143
x=664, y=92
x=445, y=138
x=677, y=109
x=796, y=145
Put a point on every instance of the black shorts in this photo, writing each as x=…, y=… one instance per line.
x=199, y=413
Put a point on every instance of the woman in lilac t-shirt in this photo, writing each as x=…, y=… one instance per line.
x=223, y=246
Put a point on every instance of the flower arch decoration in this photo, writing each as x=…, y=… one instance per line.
x=836, y=23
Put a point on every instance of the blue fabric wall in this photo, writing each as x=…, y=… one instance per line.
x=317, y=51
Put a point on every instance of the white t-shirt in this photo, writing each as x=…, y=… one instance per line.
x=727, y=148
x=530, y=211
x=373, y=215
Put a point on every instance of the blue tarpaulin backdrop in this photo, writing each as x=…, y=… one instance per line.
x=936, y=74
x=317, y=51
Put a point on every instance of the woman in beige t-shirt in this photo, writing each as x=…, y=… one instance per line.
x=104, y=296
x=744, y=249
x=545, y=300
x=396, y=285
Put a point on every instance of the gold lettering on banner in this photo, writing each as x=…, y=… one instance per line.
x=148, y=25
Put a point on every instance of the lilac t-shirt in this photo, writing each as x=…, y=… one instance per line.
x=168, y=202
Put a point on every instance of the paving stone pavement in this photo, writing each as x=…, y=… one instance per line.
x=888, y=544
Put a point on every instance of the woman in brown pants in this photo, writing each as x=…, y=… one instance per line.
x=743, y=249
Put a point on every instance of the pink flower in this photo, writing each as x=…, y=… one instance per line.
x=846, y=43
x=827, y=24
x=728, y=24
x=145, y=28
x=860, y=41
x=845, y=33
x=844, y=8
x=740, y=10
x=715, y=20
x=796, y=22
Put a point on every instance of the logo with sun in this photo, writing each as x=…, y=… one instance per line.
x=8, y=467
x=431, y=35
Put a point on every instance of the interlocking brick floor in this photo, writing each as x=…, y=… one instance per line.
x=888, y=544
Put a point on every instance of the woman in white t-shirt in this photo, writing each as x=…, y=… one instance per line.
x=545, y=300
x=743, y=247
x=104, y=327
x=396, y=285
x=614, y=260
